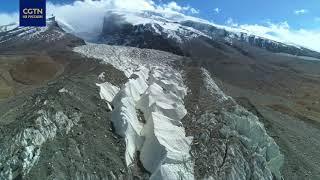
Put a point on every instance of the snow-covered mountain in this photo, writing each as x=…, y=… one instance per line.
x=13, y=36
x=149, y=29
x=14, y=33
x=8, y=27
x=155, y=30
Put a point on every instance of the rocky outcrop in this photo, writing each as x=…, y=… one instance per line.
x=229, y=142
x=50, y=133
x=20, y=153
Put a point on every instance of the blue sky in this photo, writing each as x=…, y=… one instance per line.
x=240, y=11
x=257, y=11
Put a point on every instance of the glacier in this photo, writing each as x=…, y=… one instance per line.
x=157, y=90
x=157, y=134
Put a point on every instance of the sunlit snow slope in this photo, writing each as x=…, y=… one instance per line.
x=172, y=32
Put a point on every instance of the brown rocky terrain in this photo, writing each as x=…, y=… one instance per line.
x=282, y=90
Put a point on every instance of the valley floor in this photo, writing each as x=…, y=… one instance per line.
x=80, y=142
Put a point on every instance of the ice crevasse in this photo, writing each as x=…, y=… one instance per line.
x=158, y=93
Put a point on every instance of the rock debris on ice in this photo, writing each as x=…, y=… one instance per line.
x=24, y=148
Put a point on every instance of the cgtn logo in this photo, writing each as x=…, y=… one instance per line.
x=32, y=12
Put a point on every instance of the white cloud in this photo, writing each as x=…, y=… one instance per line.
x=231, y=22
x=174, y=7
x=8, y=18
x=194, y=11
x=284, y=33
x=301, y=11
x=87, y=15
x=217, y=10
x=88, y=11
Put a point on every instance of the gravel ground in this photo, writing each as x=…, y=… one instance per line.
x=220, y=148
x=90, y=150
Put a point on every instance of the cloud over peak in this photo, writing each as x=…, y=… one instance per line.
x=217, y=10
x=87, y=15
x=173, y=6
x=231, y=22
x=301, y=11
x=282, y=32
x=6, y=18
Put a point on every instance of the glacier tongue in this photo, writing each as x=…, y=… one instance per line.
x=124, y=116
x=165, y=152
x=108, y=91
x=161, y=139
x=157, y=90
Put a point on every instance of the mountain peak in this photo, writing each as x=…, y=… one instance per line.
x=14, y=36
x=155, y=30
